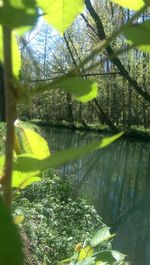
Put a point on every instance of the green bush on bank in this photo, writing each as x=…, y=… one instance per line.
x=54, y=222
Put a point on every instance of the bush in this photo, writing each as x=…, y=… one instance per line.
x=54, y=222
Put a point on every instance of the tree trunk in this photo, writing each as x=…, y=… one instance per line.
x=123, y=72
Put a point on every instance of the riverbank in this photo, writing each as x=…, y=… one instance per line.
x=134, y=133
x=61, y=222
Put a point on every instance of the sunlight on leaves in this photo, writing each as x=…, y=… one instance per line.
x=1, y=3
x=65, y=12
x=2, y=160
x=132, y=4
x=33, y=143
x=16, y=56
x=21, y=180
x=85, y=252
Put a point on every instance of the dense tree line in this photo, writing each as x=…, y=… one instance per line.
x=124, y=93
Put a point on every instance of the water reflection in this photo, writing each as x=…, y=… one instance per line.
x=117, y=181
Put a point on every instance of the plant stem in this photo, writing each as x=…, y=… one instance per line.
x=10, y=105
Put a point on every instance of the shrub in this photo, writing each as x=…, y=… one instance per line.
x=54, y=222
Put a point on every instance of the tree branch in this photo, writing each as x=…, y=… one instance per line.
x=102, y=36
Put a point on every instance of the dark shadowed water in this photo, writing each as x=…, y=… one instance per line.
x=116, y=180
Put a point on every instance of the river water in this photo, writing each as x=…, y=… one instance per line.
x=116, y=180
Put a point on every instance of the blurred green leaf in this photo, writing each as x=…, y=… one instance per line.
x=102, y=235
x=132, y=4
x=139, y=35
x=10, y=243
x=61, y=13
x=18, y=13
x=101, y=263
x=87, y=261
x=73, y=258
x=83, y=89
x=109, y=256
x=20, y=179
x=16, y=56
x=30, y=163
x=2, y=160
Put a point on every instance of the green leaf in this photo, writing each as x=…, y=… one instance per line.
x=85, y=252
x=33, y=143
x=132, y=4
x=44, y=263
x=30, y=163
x=101, y=263
x=109, y=256
x=61, y=13
x=16, y=56
x=18, y=13
x=2, y=161
x=83, y=89
x=73, y=258
x=87, y=261
x=21, y=180
x=18, y=219
x=139, y=35
x=102, y=235
x=10, y=243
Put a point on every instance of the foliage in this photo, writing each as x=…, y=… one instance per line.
x=86, y=254
x=135, y=5
x=25, y=14
x=54, y=222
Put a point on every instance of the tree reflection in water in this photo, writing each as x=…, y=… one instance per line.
x=117, y=181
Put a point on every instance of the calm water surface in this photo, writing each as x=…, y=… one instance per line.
x=116, y=180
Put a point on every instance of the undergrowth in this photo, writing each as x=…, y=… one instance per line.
x=54, y=222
